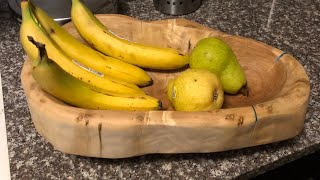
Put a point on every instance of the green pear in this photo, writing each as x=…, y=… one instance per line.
x=217, y=56
x=195, y=90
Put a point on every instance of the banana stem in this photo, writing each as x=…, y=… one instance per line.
x=41, y=47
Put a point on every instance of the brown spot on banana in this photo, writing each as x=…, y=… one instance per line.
x=52, y=31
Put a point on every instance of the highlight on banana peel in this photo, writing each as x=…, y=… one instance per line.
x=111, y=73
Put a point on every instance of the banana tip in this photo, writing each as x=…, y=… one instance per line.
x=150, y=82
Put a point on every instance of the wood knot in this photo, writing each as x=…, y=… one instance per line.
x=82, y=117
x=240, y=120
x=33, y=86
x=229, y=117
x=140, y=118
x=270, y=109
x=42, y=100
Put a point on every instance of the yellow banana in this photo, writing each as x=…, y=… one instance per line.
x=54, y=80
x=29, y=28
x=87, y=56
x=95, y=33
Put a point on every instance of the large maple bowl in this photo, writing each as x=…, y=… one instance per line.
x=275, y=109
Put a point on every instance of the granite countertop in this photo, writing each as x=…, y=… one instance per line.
x=290, y=25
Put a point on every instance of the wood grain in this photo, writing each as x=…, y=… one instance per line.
x=274, y=110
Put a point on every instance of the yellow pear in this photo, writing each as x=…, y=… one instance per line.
x=195, y=90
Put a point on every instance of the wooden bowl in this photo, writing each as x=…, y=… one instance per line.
x=274, y=110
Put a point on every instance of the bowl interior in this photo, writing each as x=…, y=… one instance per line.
x=265, y=75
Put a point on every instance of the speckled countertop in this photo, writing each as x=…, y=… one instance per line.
x=292, y=26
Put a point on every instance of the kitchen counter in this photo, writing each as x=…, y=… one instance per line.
x=290, y=25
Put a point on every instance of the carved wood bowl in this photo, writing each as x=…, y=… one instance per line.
x=274, y=110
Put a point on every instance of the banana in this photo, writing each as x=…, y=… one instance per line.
x=55, y=81
x=104, y=40
x=30, y=30
x=87, y=56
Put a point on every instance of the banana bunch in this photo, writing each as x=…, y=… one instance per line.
x=87, y=78
x=30, y=27
x=87, y=56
